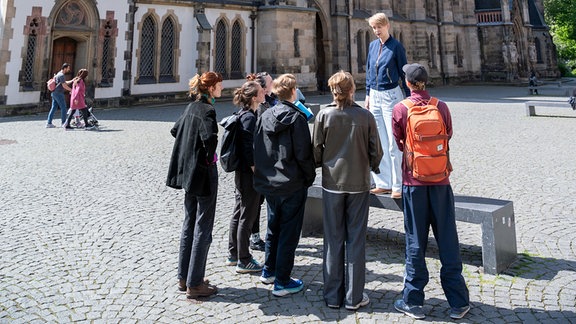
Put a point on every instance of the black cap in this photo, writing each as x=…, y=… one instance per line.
x=65, y=65
x=415, y=73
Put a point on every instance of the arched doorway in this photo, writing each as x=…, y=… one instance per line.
x=75, y=40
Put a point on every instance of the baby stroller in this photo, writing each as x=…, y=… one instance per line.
x=78, y=122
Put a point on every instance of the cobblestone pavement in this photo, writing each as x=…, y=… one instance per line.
x=89, y=232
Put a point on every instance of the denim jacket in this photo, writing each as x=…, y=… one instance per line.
x=384, y=66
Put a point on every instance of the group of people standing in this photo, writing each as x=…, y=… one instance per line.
x=359, y=150
x=77, y=89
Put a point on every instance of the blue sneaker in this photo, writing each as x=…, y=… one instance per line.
x=252, y=266
x=294, y=286
x=459, y=312
x=267, y=277
x=412, y=311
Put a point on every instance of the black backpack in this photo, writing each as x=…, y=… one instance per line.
x=229, y=159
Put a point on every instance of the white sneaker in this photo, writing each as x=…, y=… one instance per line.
x=365, y=301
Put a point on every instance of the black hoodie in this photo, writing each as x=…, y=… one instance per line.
x=283, y=158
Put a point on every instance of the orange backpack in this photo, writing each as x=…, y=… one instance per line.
x=426, y=144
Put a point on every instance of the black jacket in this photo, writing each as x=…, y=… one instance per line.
x=196, y=134
x=283, y=157
x=246, y=140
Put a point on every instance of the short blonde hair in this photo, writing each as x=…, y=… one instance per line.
x=378, y=19
x=284, y=85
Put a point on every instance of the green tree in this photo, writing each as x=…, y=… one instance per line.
x=560, y=16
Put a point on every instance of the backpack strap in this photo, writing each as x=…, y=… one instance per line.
x=408, y=103
x=433, y=101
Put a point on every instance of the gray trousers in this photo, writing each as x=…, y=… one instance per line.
x=345, y=218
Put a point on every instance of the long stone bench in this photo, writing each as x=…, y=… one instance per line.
x=495, y=216
x=531, y=105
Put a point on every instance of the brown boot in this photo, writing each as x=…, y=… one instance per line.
x=202, y=290
x=182, y=284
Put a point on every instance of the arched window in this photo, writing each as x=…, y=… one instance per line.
x=236, y=55
x=158, y=49
x=432, y=51
x=230, y=53
x=458, y=52
x=167, y=51
x=538, y=50
x=147, y=51
x=361, y=51
x=108, y=30
x=30, y=58
x=31, y=32
x=220, y=61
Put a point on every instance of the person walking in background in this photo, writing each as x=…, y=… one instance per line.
x=265, y=81
x=247, y=207
x=428, y=204
x=283, y=171
x=347, y=147
x=78, y=100
x=58, y=98
x=193, y=168
x=386, y=56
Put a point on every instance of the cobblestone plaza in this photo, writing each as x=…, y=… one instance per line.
x=89, y=232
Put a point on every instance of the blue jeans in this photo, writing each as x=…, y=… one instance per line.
x=196, y=235
x=285, y=216
x=58, y=101
x=425, y=207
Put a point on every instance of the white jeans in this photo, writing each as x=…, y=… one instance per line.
x=381, y=105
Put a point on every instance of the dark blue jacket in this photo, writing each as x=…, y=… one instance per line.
x=385, y=73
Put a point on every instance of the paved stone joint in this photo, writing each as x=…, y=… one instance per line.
x=89, y=231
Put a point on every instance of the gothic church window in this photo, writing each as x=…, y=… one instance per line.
x=236, y=64
x=147, y=51
x=31, y=77
x=538, y=50
x=432, y=51
x=220, y=62
x=158, y=50
x=108, y=33
x=28, y=79
x=167, y=49
x=229, y=53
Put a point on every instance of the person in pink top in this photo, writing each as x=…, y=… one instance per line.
x=77, y=101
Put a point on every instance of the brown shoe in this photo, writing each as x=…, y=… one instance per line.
x=396, y=195
x=202, y=290
x=182, y=284
x=380, y=191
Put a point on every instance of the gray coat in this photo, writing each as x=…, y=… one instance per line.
x=347, y=147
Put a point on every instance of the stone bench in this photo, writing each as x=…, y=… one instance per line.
x=531, y=105
x=495, y=216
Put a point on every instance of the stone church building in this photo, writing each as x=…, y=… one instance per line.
x=140, y=51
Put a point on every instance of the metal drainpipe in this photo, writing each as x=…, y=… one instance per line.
x=440, y=42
